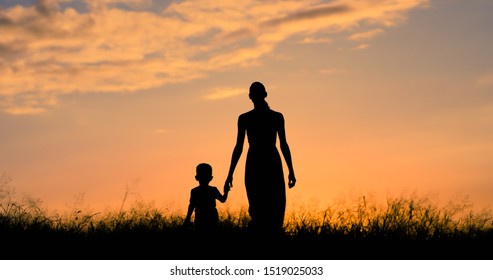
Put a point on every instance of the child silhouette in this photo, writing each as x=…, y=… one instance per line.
x=203, y=201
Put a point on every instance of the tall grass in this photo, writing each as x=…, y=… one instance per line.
x=35, y=232
x=400, y=218
x=27, y=214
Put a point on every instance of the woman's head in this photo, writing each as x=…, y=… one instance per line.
x=257, y=91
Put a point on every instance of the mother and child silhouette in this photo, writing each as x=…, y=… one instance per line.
x=264, y=176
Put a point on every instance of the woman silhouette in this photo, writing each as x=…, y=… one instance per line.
x=264, y=178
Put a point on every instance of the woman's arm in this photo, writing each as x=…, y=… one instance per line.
x=238, y=149
x=286, y=152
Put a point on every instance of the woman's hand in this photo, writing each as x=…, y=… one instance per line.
x=229, y=183
x=292, y=180
x=226, y=188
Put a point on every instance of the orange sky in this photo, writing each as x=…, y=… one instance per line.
x=380, y=97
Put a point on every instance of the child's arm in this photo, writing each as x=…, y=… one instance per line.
x=224, y=197
x=191, y=207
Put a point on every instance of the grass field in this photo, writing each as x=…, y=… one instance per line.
x=400, y=228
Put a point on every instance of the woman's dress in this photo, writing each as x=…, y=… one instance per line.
x=264, y=178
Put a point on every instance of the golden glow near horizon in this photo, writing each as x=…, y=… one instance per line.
x=379, y=97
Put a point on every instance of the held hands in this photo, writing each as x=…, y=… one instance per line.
x=291, y=180
x=228, y=184
x=226, y=188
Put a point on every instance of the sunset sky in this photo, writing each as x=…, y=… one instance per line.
x=380, y=97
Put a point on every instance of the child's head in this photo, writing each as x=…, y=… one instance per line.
x=203, y=173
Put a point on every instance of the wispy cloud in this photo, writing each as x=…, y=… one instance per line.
x=361, y=47
x=49, y=49
x=363, y=36
x=23, y=110
x=309, y=14
x=313, y=40
x=223, y=92
x=26, y=103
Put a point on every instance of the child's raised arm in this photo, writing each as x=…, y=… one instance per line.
x=224, y=197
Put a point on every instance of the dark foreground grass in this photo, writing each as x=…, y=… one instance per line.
x=401, y=228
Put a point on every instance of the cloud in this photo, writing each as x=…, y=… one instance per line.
x=49, y=49
x=364, y=36
x=23, y=110
x=224, y=92
x=361, y=47
x=308, y=14
x=27, y=104
x=313, y=40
